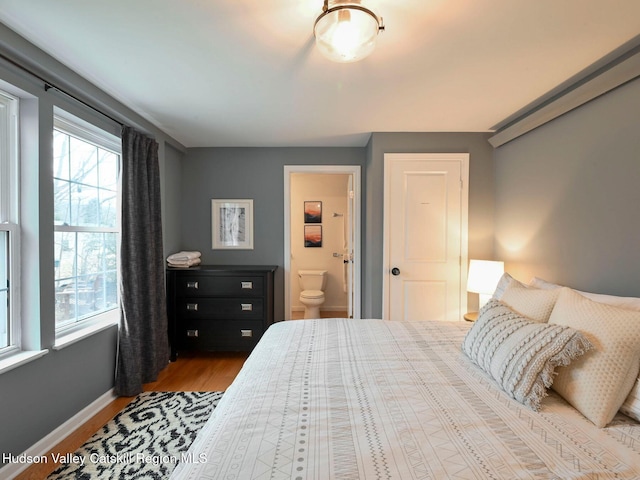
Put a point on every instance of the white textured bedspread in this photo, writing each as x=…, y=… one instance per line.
x=373, y=399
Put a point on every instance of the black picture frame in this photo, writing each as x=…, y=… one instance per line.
x=312, y=211
x=313, y=236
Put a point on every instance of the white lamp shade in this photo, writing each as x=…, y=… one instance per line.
x=346, y=34
x=484, y=276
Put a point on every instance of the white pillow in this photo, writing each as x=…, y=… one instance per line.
x=631, y=405
x=630, y=303
x=534, y=303
x=503, y=283
x=519, y=354
x=598, y=383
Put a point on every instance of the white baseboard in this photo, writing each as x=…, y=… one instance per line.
x=46, y=444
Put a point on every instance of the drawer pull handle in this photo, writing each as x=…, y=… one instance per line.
x=192, y=307
x=192, y=333
x=247, y=285
x=193, y=285
x=247, y=307
x=246, y=333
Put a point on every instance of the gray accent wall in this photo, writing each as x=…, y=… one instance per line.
x=568, y=197
x=240, y=173
x=172, y=199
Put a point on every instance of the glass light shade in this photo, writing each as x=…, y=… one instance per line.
x=346, y=34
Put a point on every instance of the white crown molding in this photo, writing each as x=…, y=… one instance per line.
x=617, y=75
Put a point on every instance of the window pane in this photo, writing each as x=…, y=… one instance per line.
x=111, y=289
x=86, y=199
x=86, y=275
x=61, y=202
x=84, y=206
x=60, y=155
x=108, y=208
x=65, y=301
x=108, y=168
x=90, y=253
x=84, y=162
x=64, y=255
x=110, y=251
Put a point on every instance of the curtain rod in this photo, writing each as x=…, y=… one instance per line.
x=49, y=85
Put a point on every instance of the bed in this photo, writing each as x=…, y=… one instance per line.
x=374, y=399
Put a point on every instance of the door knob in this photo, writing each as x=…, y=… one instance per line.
x=395, y=271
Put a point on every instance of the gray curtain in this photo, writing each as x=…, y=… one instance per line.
x=143, y=344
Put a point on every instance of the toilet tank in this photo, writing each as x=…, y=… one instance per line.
x=312, y=279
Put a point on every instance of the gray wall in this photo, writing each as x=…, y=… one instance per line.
x=256, y=173
x=480, y=199
x=172, y=200
x=567, y=197
x=37, y=397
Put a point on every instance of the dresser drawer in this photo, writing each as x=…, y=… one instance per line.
x=216, y=308
x=236, y=286
x=219, y=334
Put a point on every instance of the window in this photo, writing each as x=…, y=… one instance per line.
x=9, y=226
x=86, y=165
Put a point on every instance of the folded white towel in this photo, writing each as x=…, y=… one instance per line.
x=183, y=256
x=184, y=263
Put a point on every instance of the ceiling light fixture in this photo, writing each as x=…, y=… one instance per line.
x=346, y=31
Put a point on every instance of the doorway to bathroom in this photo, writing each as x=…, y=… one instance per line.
x=322, y=233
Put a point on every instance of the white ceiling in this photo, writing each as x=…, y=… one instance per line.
x=245, y=72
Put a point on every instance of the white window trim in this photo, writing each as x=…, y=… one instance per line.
x=10, y=170
x=20, y=358
x=98, y=323
x=77, y=127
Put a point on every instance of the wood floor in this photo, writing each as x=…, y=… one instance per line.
x=198, y=372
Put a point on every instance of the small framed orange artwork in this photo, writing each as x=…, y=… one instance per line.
x=313, y=235
x=312, y=212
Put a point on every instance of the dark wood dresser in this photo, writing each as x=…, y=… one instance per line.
x=219, y=307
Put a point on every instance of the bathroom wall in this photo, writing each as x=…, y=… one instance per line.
x=331, y=190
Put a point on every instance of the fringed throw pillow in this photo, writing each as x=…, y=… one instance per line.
x=519, y=354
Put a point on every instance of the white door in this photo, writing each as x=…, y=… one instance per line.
x=425, y=236
x=350, y=241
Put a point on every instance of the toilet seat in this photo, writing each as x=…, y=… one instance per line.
x=312, y=294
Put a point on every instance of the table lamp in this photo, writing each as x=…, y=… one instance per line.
x=483, y=278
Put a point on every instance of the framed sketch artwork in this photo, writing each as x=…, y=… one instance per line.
x=232, y=224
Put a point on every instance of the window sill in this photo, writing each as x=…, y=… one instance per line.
x=104, y=322
x=20, y=358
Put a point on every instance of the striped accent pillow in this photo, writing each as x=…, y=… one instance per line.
x=519, y=354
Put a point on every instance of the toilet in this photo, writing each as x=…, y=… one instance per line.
x=312, y=291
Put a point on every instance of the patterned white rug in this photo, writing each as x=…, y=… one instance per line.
x=145, y=440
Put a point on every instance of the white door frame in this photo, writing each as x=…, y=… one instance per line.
x=353, y=170
x=463, y=158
